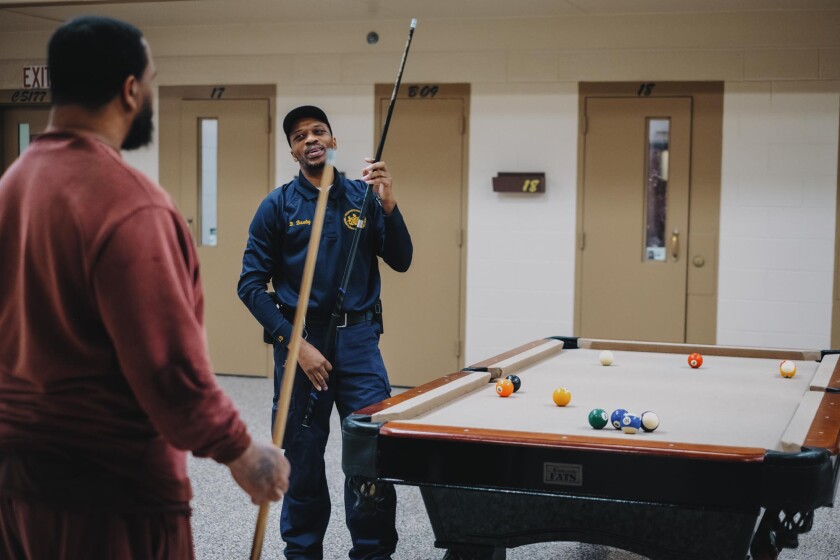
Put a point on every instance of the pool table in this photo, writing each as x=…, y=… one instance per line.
x=740, y=461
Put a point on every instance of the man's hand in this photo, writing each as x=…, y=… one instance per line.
x=376, y=174
x=262, y=471
x=314, y=365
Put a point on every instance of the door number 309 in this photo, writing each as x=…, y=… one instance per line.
x=423, y=91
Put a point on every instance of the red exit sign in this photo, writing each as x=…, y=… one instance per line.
x=36, y=77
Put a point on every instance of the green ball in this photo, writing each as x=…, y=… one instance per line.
x=598, y=418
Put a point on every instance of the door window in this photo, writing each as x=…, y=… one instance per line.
x=656, y=188
x=208, y=180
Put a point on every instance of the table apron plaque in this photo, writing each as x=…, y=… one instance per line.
x=563, y=474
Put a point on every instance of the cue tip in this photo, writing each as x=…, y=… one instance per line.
x=413, y=23
x=331, y=157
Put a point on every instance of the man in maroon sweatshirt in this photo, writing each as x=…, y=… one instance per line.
x=105, y=382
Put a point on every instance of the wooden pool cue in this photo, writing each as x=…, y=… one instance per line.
x=297, y=330
x=329, y=341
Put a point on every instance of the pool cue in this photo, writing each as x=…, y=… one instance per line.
x=329, y=342
x=297, y=330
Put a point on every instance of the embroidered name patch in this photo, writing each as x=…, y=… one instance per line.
x=300, y=223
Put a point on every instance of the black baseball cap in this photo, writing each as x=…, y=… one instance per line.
x=303, y=112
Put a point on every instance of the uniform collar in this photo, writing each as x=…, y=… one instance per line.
x=310, y=192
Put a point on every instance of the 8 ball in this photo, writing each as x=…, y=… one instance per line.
x=517, y=383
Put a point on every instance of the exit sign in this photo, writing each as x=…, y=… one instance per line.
x=36, y=77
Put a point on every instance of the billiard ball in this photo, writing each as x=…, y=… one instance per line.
x=606, y=358
x=695, y=360
x=517, y=383
x=650, y=421
x=504, y=388
x=561, y=396
x=630, y=423
x=598, y=418
x=787, y=369
x=616, y=416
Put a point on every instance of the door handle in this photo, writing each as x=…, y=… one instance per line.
x=675, y=245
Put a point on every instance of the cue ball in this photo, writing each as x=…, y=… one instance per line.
x=517, y=383
x=650, y=421
x=787, y=369
x=630, y=423
x=695, y=360
x=606, y=358
x=616, y=416
x=598, y=418
x=504, y=388
x=561, y=396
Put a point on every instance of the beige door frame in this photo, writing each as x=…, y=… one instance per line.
x=704, y=196
x=433, y=91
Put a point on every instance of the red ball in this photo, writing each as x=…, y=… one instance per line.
x=695, y=360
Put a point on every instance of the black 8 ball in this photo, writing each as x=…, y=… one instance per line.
x=517, y=383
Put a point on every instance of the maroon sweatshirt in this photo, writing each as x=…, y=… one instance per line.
x=104, y=377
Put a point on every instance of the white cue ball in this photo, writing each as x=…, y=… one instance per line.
x=606, y=358
x=650, y=421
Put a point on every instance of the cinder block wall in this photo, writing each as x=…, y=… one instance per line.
x=780, y=147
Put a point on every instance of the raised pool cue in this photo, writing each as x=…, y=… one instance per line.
x=332, y=327
x=297, y=330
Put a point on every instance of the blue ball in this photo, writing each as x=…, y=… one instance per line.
x=616, y=416
x=630, y=423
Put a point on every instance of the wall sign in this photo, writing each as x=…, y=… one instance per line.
x=24, y=96
x=36, y=77
x=519, y=182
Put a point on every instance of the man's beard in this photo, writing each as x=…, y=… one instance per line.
x=140, y=133
x=313, y=168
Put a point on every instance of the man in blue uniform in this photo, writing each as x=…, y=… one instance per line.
x=355, y=376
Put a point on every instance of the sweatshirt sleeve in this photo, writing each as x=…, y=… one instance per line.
x=146, y=284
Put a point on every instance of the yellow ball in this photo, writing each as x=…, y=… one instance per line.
x=787, y=369
x=561, y=396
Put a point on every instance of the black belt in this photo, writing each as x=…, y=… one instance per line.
x=344, y=320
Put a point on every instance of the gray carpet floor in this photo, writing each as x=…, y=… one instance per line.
x=224, y=518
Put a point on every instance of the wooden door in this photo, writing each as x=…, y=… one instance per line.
x=635, y=218
x=220, y=176
x=20, y=126
x=423, y=307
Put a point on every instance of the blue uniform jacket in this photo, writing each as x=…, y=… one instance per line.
x=278, y=239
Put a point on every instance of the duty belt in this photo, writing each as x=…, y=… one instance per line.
x=344, y=320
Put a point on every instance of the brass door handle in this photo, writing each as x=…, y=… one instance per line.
x=675, y=245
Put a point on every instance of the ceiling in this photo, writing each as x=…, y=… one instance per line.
x=17, y=15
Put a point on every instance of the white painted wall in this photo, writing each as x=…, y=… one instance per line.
x=520, y=249
x=778, y=200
